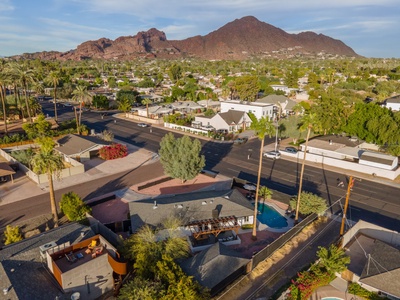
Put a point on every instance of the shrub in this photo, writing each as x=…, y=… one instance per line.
x=113, y=152
x=73, y=207
x=12, y=235
x=306, y=283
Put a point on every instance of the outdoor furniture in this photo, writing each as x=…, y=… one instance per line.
x=93, y=244
x=88, y=251
x=71, y=257
x=79, y=255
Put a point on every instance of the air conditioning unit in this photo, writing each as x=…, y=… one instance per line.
x=43, y=249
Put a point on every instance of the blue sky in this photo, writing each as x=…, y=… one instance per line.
x=370, y=27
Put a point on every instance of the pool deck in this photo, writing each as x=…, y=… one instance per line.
x=336, y=289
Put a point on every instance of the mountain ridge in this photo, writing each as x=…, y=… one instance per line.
x=240, y=39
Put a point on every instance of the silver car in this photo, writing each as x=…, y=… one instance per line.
x=272, y=154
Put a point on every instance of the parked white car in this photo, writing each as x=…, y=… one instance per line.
x=273, y=154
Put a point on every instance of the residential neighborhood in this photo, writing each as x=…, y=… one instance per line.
x=167, y=183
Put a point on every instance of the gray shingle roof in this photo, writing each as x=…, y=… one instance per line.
x=382, y=270
x=213, y=265
x=232, y=116
x=21, y=265
x=72, y=144
x=188, y=207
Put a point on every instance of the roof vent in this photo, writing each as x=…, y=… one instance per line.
x=179, y=206
x=155, y=205
x=204, y=203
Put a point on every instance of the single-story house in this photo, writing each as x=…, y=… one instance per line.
x=393, y=103
x=374, y=258
x=156, y=111
x=215, y=267
x=379, y=160
x=202, y=214
x=80, y=147
x=283, y=104
x=210, y=104
x=186, y=106
x=231, y=120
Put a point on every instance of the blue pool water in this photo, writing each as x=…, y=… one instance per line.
x=270, y=217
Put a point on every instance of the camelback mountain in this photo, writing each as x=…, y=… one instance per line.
x=240, y=39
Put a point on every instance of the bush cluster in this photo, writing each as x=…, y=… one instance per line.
x=113, y=152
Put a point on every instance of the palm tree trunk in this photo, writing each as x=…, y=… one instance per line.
x=301, y=177
x=55, y=103
x=27, y=105
x=3, y=102
x=254, y=234
x=80, y=114
x=147, y=110
x=52, y=199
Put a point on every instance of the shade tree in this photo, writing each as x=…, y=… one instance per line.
x=181, y=157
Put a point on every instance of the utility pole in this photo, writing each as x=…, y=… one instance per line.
x=346, y=203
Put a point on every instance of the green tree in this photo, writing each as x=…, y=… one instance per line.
x=54, y=78
x=124, y=105
x=181, y=157
x=261, y=127
x=175, y=72
x=41, y=127
x=80, y=95
x=147, y=101
x=3, y=84
x=332, y=260
x=112, y=82
x=12, y=235
x=24, y=76
x=73, y=207
x=155, y=261
x=47, y=161
x=247, y=87
x=141, y=289
x=100, y=101
x=309, y=203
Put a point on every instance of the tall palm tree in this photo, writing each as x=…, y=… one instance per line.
x=81, y=95
x=147, y=101
x=309, y=122
x=54, y=78
x=3, y=93
x=261, y=127
x=24, y=76
x=49, y=162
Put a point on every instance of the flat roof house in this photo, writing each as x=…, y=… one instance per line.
x=58, y=263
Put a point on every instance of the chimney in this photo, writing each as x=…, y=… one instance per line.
x=215, y=213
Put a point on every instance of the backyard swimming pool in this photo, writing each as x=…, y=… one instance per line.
x=270, y=217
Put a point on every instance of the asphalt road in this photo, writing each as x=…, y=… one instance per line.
x=371, y=201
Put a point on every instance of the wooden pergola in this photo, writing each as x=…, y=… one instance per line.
x=203, y=228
